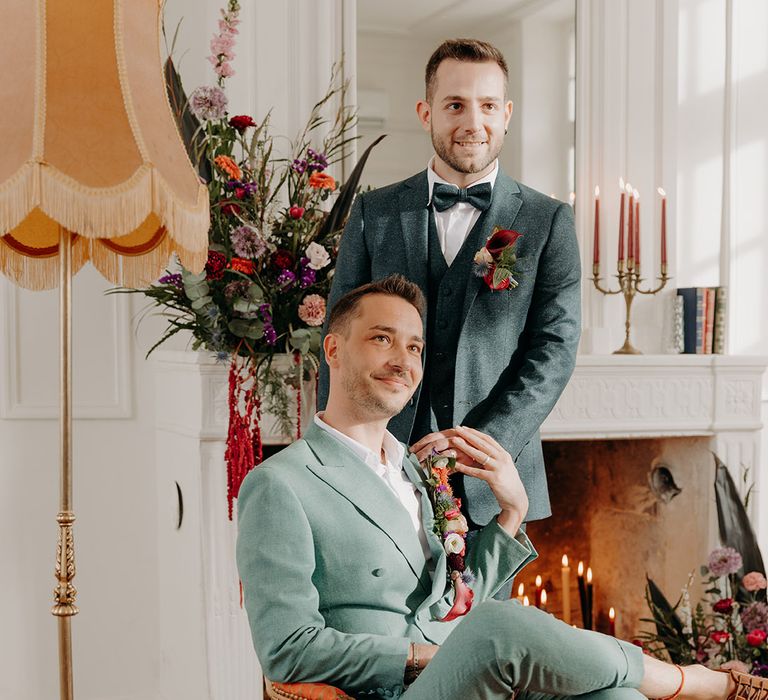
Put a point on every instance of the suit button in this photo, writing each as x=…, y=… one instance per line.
x=378, y=572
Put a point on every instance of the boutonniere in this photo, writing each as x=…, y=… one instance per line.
x=450, y=526
x=495, y=261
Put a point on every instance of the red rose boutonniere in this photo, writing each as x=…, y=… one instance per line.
x=495, y=261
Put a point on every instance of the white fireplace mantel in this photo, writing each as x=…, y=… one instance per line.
x=637, y=396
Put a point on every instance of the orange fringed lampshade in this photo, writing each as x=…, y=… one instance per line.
x=89, y=144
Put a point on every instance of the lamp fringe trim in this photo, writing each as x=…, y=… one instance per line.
x=103, y=212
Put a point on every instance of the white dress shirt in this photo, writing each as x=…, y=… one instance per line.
x=455, y=223
x=391, y=473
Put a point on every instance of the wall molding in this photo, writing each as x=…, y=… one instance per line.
x=117, y=402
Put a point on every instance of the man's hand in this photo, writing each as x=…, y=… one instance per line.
x=479, y=455
x=443, y=442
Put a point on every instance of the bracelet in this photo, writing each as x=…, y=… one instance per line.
x=679, y=688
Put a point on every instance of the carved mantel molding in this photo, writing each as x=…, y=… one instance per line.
x=621, y=396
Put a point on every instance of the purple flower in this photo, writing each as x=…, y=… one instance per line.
x=317, y=161
x=299, y=166
x=724, y=561
x=270, y=335
x=208, y=102
x=468, y=577
x=307, y=275
x=755, y=617
x=760, y=669
x=247, y=242
x=221, y=356
x=173, y=279
x=286, y=279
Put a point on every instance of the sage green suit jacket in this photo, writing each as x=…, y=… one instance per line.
x=335, y=580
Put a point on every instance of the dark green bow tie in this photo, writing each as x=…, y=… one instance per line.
x=445, y=196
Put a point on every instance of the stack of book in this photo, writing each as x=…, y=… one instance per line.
x=703, y=319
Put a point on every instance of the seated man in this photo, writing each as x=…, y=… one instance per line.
x=345, y=581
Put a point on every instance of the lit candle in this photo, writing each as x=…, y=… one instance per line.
x=520, y=592
x=572, y=200
x=612, y=621
x=596, y=257
x=663, y=226
x=543, y=604
x=582, y=594
x=589, y=597
x=565, y=573
x=631, y=230
x=637, y=230
x=526, y=601
x=621, y=222
x=537, y=595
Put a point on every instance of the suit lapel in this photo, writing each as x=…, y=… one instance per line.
x=414, y=227
x=505, y=204
x=354, y=480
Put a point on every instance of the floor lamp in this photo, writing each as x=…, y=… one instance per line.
x=92, y=169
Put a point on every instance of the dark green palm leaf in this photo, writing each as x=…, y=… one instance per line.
x=340, y=211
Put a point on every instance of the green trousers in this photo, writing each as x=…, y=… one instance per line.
x=503, y=646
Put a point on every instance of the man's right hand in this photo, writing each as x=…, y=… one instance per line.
x=494, y=465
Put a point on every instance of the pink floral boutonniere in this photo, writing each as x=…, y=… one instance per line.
x=495, y=261
x=451, y=528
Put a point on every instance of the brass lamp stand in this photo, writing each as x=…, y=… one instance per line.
x=65, y=592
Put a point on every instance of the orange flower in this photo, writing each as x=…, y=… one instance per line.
x=241, y=265
x=322, y=181
x=229, y=166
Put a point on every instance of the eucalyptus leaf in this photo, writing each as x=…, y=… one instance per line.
x=198, y=304
x=244, y=328
x=256, y=293
x=244, y=306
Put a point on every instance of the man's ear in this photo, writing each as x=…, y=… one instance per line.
x=507, y=114
x=424, y=111
x=331, y=349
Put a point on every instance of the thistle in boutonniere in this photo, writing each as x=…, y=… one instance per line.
x=495, y=261
x=450, y=526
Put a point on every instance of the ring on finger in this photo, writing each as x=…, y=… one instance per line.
x=485, y=461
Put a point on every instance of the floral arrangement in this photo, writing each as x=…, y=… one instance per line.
x=728, y=629
x=275, y=226
x=451, y=528
x=495, y=261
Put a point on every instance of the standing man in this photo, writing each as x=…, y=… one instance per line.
x=496, y=360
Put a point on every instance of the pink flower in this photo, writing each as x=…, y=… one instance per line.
x=754, y=581
x=452, y=513
x=756, y=637
x=312, y=310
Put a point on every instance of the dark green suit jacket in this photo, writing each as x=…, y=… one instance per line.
x=335, y=580
x=516, y=349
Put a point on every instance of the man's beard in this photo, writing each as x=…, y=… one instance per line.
x=464, y=165
x=371, y=404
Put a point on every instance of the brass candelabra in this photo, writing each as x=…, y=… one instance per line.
x=629, y=285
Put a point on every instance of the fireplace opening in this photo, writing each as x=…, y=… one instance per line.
x=626, y=509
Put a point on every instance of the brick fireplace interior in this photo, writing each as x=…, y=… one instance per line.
x=626, y=508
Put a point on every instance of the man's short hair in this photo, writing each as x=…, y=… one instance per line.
x=471, y=50
x=346, y=308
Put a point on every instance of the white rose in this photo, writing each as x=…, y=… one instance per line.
x=454, y=543
x=458, y=525
x=318, y=256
